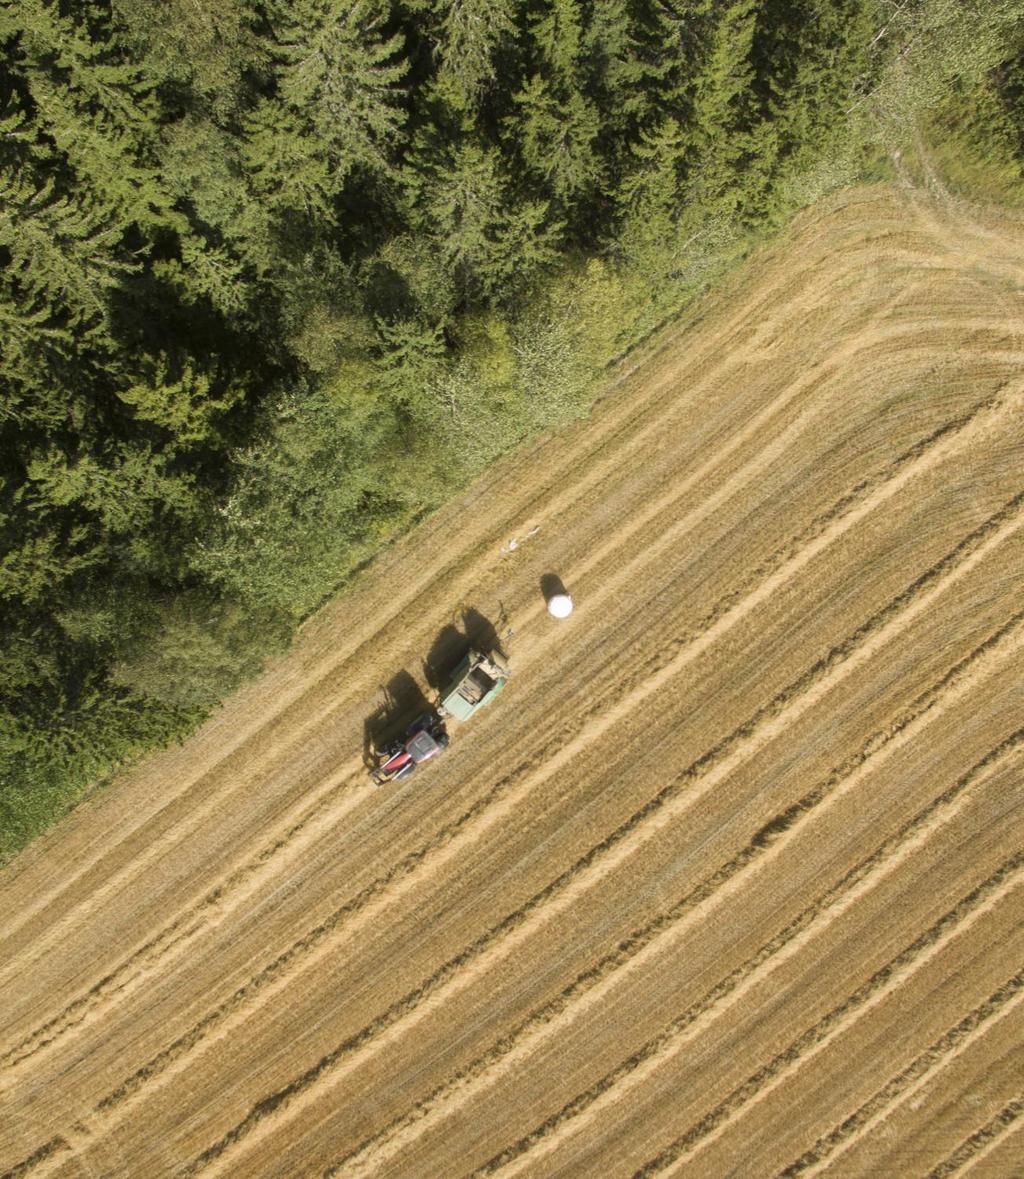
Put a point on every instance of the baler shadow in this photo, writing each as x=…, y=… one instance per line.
x=404, y=699
x=452, y=644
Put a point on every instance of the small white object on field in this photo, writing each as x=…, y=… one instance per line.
x=560, y=606
x=515, y=542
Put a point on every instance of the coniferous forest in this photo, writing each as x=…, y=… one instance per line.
x=277, y=276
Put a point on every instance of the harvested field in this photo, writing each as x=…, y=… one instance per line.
x=730, y=881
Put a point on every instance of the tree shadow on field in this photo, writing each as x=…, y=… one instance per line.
x=403, y=702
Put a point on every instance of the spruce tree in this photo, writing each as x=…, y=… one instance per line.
x=338, y=78
x=469, y=34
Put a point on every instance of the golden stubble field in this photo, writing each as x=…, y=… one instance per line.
x=731, y=879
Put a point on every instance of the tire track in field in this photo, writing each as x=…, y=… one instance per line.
x=403, y=869
x=314, y=819
x=768, y=842
x=982, y=1141
x=664, y=808
x=973, y=1026
x=968, y=912
x=734, y=988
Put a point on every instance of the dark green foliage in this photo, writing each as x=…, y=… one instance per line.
x=978, y=132
x=277, y=275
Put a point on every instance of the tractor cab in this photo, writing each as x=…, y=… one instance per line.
x=424, y=740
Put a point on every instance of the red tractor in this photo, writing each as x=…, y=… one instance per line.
x=424, y=739
x=475, y=682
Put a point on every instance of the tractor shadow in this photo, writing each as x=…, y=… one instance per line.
x=403, y=702
x=452, y=644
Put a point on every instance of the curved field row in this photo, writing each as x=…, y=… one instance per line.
x=728, y=877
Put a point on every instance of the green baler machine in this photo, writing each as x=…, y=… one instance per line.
x=474, y=683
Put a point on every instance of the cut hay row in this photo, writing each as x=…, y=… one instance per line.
x=973, y=1151
x=971, y=909
x=901, y=1088
x=549, y=760
x=613, y=439
x=311, y=815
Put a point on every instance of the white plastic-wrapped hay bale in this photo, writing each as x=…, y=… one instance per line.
x=560, y=605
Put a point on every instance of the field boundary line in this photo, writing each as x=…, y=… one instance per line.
x=309, y=819
x=445, y=571
x=766, y=844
